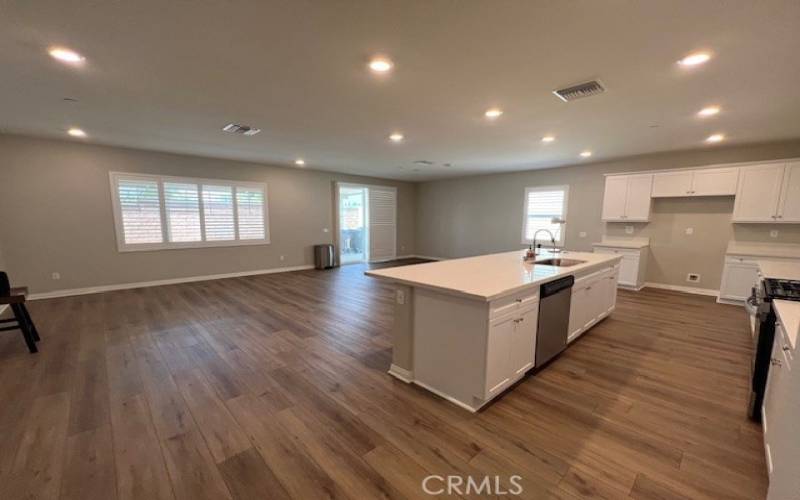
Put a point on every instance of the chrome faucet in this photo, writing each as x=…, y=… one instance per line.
x=552, y=240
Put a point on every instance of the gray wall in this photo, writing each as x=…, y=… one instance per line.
x=483, y=214
x=56, y=202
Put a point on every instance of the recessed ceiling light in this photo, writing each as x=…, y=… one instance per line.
x=299, y=162
x=76, y=132
x=66, y=55
x=708, y=111
x=396, y=137
x=380, y=65
x=715, y=138
x=586, y=154
x=493, y=113
x=695, y=59
x=548, y=138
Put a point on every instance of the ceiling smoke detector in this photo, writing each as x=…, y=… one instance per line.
x=235, y=128
x=424, y=163
x=579, y=91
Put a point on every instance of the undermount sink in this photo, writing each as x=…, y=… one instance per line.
x=559, y=262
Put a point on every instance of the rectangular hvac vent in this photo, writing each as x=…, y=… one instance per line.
x=586, y=89
x=235, y=128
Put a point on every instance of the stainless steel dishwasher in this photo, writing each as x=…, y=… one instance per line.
x=551, y=334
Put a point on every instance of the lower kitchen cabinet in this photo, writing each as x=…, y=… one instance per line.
x=633, y=266
x=510, y=349
x=738, y=278
x=593, y=298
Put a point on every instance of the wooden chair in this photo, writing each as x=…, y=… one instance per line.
x=15, y=297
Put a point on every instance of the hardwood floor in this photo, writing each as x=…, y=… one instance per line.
x=275, y=386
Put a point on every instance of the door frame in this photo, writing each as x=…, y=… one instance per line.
x=337, y=237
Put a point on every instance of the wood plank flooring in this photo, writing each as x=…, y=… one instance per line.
x=275, y=386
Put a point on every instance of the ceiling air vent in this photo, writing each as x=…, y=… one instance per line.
x=580, y=90
x=424, y=163
x=235, y=128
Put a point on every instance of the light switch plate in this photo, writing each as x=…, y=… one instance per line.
x=582, y=234
x=773, y=233
x=401, y=297
x=689, y=231
x=628, y=229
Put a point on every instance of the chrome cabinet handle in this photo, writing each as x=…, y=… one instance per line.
x=787, y=348
x=775, y=362
x=780, y=216
x=519, y=300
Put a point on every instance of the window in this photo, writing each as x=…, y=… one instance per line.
x=541, y=206
x=155, y=212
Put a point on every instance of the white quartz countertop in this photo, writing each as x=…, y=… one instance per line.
x=781, y=250
x=788, y=312
x=489, y=277
x=787, y=270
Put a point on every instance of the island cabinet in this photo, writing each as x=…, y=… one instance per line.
x=593, y=298
x=479, y=350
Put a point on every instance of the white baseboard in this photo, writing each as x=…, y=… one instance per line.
x=401, y=373
x=730, y=302
x=686, y=289
x=143, y=284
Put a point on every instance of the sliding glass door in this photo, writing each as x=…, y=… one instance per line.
x=353, y=233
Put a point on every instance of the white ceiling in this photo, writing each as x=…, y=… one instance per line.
x=167, y=75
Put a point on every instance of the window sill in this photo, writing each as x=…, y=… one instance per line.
x=150, y=247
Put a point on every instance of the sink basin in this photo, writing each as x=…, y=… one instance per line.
x=559, y=262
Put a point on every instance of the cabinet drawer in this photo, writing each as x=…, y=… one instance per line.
x=513, y=303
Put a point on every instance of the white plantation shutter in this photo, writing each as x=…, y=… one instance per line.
x=183, y=212
x=250, y=208
x=218, y=213
x=156, y=212
x=541, y=206
x=140, y=210
x=382, y=212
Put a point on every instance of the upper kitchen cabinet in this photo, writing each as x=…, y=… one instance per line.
x=702, y=182
x=627, y=198
x=768, y=193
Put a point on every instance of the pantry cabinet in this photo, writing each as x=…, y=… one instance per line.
x=768, y=193
x=627, y=198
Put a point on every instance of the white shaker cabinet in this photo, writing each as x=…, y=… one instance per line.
x=633, y=267
x=758, y=193
x=593, y=298
x=789, y=203
x=700, y=182
x=627, y=198
x=738, y=278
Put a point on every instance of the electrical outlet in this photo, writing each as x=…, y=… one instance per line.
x=689, y=231
x=324, y=229
x=628, y=229
x=693, y=278
x=401, y=297
x=402, y=247
x=582, y=234
x=283, y=257
x=773, y=233
x=56, y=276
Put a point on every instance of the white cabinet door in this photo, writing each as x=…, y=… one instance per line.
x=789, y=205
x=498, y=354
x=578, y=310
x=614, y=198
x=610, y=297
x=638, y=201
x=523, y=341
x=595, y=292
x=738, y=279
x=629, y=270
x=715, y=182
x=758, y=193
x=666, y=184
x=775, y=396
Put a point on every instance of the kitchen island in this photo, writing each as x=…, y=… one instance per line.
x=466, y=329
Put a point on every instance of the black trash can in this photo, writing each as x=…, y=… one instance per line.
x=324, y=256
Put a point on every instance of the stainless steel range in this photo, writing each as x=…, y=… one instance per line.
x=760, y=307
